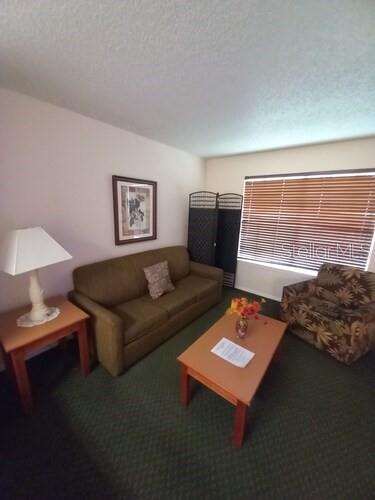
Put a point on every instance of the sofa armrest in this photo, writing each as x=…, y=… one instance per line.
x=108, y=331
x=205, y=271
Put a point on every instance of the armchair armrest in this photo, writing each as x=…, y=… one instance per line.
x=108, y=331
x=362, y=319
x=303, y=287
x=205, y=271
x=297, y=290
x=364, y=313
x=367, y=311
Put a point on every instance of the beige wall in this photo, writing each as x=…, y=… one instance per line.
x=55, y=171
x=227, y=175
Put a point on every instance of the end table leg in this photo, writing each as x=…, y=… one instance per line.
x=8, y=365
x=184, y=386
x=83, y=348
x=22, y=381
x=239, y=424
x=64, y=343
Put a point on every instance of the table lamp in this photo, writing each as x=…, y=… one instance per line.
x=27, y=250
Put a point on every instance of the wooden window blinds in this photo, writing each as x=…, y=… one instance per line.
x=305, y=220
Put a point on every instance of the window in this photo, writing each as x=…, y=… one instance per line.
x=301, y=221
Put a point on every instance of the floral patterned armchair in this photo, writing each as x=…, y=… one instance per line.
x=334, y=312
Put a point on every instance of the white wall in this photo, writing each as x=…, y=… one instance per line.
x=227, y=175
x=55, y=171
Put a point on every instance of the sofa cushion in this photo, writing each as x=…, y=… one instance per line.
x=177, y=258
x=197, y=286
x=114, y=281
x=178, y=261
x=173, y=302
x=139, y=317
x=109, y=282
x=158, y=279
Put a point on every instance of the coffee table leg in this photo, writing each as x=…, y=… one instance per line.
x=239, y=424
x=184, y=386
x=22, y=381
x=83, y=348
x=277, y=354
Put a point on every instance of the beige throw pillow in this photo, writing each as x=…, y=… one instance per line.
x=159, y=281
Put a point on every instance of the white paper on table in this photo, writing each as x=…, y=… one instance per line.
x=234, y=353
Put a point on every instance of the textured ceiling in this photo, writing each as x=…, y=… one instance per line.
x=212, y=77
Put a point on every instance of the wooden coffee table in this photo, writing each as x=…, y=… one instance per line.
x=236, y=385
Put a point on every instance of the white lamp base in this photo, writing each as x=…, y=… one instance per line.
x=26, y=321
x=39, y=313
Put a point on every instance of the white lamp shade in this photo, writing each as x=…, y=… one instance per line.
x=24, y=250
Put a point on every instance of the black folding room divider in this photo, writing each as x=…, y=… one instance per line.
x=202, y=227
x=214, y=226
x=228, y=232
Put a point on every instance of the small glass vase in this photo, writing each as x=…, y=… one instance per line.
x=241, y=327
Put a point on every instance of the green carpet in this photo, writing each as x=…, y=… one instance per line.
x=311, y=430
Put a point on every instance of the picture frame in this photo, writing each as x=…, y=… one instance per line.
x=134, y=207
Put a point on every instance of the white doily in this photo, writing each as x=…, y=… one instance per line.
x=26, y=321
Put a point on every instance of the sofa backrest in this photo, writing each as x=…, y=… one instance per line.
x=114, y=281
x=351, y=286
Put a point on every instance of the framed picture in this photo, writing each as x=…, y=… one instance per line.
x=134, y=206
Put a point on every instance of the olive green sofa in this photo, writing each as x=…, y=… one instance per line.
x=125, y=322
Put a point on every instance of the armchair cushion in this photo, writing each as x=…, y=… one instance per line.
x=323, y=307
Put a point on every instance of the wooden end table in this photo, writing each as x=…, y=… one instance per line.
x=16, y=342
x=236, y=385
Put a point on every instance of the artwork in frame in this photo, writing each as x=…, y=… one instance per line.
x=134, y=205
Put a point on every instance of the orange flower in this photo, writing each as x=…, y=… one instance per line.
x=257, y=307
x=245, y=308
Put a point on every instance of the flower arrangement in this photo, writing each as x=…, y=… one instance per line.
x=245, y=308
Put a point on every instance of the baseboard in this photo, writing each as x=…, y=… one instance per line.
x=254, y=292
x=260, y=294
